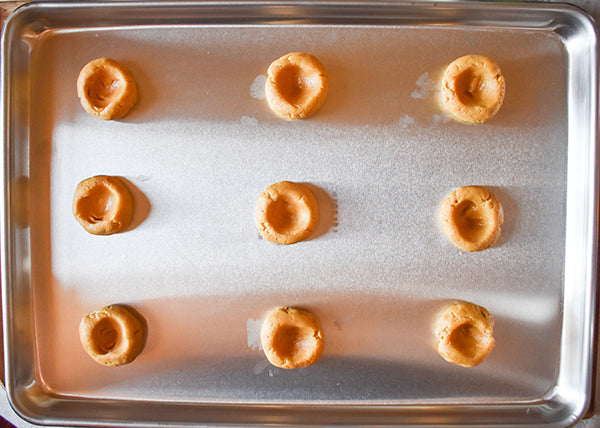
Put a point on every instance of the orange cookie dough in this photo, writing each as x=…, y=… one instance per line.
x=291, y=338
x=286, y=213
x=473, y=88
x=297, y=85
x=112, y=336
x=464, y=334
x=105, y=89
x=102, y=205
x=471, y=217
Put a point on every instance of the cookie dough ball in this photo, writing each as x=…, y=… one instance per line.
x=102, y=205
x=464, y=334
x=297, y=85
x=473, y=88
x=286, y=213
x=471, y=217
x=291, y=338
x=112, y=336
x=105, y=89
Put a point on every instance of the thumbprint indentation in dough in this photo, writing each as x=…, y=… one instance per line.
x=471, y=221
x=295, y=86
x=105, y=335
x=287, y=215
x=104, y=89
x=288, y=341
x=97, y=205
x=472, y=90
x=465, y=339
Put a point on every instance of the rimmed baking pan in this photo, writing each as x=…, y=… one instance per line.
x=199, y=147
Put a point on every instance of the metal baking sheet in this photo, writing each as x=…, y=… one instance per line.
x=200, y=146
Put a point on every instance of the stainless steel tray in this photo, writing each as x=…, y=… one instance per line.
x=200, y=146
